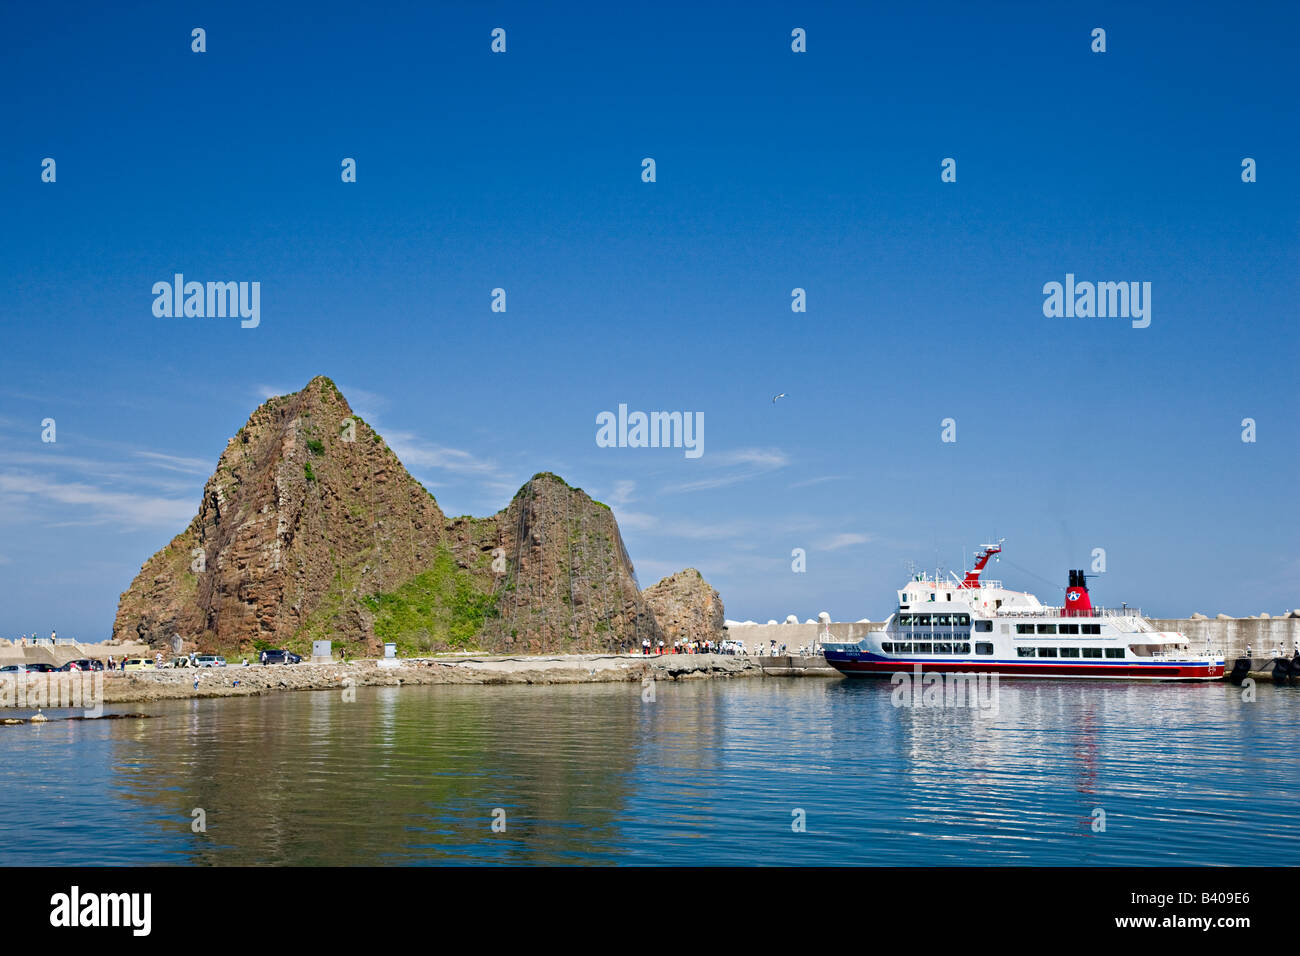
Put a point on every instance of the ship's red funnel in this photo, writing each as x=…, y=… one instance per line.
x=1077, y=601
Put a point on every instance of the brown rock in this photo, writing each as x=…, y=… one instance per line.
x=686, y=607
x=304, y=534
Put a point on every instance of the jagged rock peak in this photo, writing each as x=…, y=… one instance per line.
x=686, y=607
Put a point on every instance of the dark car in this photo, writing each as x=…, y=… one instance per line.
x=280, y=656
x=85, y=664
x=39, y=668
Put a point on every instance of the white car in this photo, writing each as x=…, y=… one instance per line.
x=209, y=660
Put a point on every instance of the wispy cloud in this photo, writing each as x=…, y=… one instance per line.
x=622, y=493
x=415, y=451
x=263, y=392
x=734, y=466
x=365, y=403
x=844, y=540
x=635, y=520
x=81, y=503
x=759, y=457
x=188, y=466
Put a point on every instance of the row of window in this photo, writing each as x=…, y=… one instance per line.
x=933, y=620
x=1058, y=628
x=1069, y=651
x=913, y=647
x=986, y=649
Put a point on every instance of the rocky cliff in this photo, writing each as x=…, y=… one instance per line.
x=310, y=528
x=686, y=607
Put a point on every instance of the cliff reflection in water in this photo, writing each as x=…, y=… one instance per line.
x=401, y=775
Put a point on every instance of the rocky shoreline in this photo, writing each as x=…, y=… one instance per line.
x=183, y=683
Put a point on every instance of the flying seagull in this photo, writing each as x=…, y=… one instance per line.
x=775, y=397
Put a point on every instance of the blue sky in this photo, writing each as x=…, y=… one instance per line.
x=775, y=170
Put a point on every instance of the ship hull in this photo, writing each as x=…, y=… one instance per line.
x=865, y=665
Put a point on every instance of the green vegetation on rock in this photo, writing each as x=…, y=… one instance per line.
x=439, y=608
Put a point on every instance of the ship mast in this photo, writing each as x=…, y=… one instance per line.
x=981, y=559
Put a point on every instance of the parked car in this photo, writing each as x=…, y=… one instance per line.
x=84, y=664
x=14, y=669
x=280, y=656
x=139, y=664
x=209, y=660
x=41, y=668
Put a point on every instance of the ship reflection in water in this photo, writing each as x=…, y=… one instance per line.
x=709, y=772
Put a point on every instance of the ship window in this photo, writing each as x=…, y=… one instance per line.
x=984, y=647
x=964, y=620
x=1069, y=628
x=1024, y=652
x=904, y=620
x=941, y=620
x=902, y=648
x=943, y=648
x=931, y=595
x=1047, y=652
x=1091, y=628
x=922, y=648
x=948, y=596
x=961, y=648
x=1046, y=628
x=887, y=647
x=1092, y=652
x=1069, y=652
x=922, y=619
x=1024, y=628
x=1114, y=652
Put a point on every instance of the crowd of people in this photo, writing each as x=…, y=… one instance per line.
x=705, y=647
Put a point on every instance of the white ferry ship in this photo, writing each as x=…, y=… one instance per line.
x=973, y=625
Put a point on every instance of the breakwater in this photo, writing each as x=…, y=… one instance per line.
x=1231, y=636
x=183, y=683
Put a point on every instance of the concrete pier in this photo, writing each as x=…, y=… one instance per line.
x=796, y=665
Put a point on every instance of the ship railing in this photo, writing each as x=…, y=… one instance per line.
x=1190, y=654
x=1045, y=611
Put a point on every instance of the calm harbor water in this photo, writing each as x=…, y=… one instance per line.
x=710, y=772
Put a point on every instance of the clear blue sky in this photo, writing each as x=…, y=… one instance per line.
x=775, y=170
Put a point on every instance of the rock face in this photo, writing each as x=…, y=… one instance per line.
x=568, y=583
x=310, y=528
x=686, y=608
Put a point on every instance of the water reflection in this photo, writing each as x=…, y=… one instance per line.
x=707, y=772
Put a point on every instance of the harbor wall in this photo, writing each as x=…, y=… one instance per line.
x=1230, y=635
x=758, y=637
